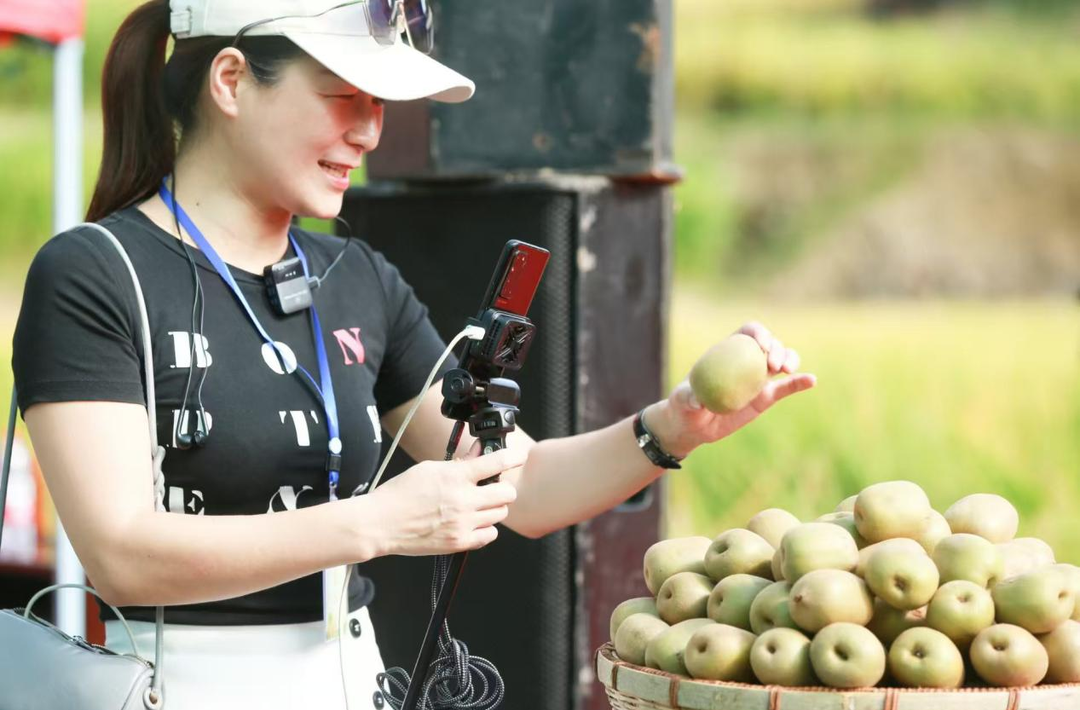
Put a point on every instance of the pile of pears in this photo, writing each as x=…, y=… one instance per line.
x=883, y=591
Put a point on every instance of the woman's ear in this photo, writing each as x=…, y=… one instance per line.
x=226, y=73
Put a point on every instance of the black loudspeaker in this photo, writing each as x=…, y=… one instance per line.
x=537, y=608
x=571, y=86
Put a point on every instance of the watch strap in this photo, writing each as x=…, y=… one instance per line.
x=648, y=443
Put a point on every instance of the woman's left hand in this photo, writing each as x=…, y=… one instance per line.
x=686, y=424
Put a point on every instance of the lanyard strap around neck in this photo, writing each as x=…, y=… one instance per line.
x=325, y=385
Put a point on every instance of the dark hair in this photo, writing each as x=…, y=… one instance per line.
x=149, y=105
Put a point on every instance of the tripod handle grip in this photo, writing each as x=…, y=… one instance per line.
x=490, y=446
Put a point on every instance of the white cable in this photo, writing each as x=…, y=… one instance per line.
x=472, y=332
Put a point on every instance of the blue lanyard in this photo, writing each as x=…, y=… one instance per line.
x=325, y=385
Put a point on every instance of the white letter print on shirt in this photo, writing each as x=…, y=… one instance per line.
x=303, y=437
x=180, y=500
x=286, y=499
x=373, y=415
x=182, y=350
x=273, y=361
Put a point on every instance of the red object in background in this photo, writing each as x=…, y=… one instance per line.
x=51, y=20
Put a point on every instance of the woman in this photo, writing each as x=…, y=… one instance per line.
x=273, y=103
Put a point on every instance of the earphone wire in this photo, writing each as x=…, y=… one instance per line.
x=318, y=280
x=197, y=301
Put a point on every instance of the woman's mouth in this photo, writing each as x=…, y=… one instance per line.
x=338, y=174
x=335, y=169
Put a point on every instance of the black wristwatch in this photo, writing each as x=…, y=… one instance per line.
x=648, y=443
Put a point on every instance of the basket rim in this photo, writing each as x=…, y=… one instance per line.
x=607, y=652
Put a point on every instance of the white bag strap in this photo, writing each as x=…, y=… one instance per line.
x=155, y=699
x=158, y=451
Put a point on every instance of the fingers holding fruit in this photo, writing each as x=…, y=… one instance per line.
x=778, y=358
x=730, y=384
x=777, y=390
x=735, y=372
x=730, y=374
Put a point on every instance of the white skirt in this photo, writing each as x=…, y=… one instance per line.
x=270, y=667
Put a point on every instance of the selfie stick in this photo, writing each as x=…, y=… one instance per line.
x=476, y=393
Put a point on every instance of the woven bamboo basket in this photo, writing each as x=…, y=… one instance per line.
x=632, y=687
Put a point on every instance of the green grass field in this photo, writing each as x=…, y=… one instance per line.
x=1010, y=60
x=958, y=397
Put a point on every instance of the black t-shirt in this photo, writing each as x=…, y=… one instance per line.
x=76, y=340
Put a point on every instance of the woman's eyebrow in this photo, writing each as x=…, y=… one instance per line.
x=340, y=83
x=324, y=73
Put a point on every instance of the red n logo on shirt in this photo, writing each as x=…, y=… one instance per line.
x=349, y=341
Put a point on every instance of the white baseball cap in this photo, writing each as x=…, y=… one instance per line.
x=337, y=34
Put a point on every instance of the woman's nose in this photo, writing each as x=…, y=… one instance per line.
x=366, y=129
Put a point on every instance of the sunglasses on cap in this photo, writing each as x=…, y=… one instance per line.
x=387, y=20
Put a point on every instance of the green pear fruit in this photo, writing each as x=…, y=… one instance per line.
x=667, y=557
x=936, y=530
x=1037, y=601
x=925, y=658
x=960, y=609
x=904, y=580
x=970, y=557
x=1008, y=656
x=666, y=652
x=732, y=598
x=738, y=551
x=889, y=622
x=1072, y=581
x=1024, y=554
x=730, y=374
x=847, y=505
x=771, y=524
x=720, y=652
x=847, y=656
x=813, y=546
x=847, y=522
x=638, y=605
x=1063, y=649
x=781, y=656
x=634, y=636
x=777, y=566
x=984, y=514
x=905, y=544
x=891, y=509
x=826, y=596
x=684, y=596
x=1072, y=576
x=771, y=608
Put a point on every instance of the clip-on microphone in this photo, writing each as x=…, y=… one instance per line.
x=477, y=393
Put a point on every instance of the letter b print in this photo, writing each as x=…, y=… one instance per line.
x=182, y=350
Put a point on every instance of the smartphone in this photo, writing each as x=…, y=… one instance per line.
x=516, y=279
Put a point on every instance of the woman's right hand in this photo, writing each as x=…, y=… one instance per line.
x=437, y=507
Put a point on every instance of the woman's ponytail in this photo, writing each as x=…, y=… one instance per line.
x=140, y=138
x=149, y=106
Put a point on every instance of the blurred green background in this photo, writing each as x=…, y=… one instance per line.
x=892, y=186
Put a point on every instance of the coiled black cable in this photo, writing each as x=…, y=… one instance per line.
x=457, y=680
